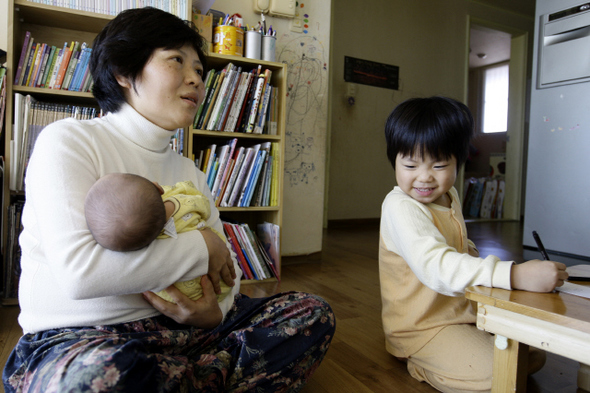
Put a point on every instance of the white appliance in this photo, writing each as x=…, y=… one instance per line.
x=558, y=169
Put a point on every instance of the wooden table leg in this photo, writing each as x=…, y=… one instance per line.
x=584, y=377
x=510, y=366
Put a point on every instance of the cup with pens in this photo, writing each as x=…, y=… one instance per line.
x=260, y=41
x=228, y=36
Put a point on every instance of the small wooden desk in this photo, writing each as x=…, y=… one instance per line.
x=555, y=322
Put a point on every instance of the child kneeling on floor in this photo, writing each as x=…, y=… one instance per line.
x=426, y=260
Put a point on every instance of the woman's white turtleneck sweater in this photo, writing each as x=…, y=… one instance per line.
x=67, y=279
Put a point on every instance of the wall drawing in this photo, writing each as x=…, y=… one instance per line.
x=307, y=86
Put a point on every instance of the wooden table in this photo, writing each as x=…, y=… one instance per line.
x=555, y=322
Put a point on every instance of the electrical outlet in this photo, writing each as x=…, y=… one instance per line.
x=297, y=25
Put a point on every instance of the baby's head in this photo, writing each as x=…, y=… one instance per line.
x=439, y=126
x=124, y=212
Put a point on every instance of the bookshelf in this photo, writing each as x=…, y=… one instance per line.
x=55, y=25
x=199, y=139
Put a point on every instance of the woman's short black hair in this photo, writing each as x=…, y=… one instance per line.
x=127, y=42
x=440, y=126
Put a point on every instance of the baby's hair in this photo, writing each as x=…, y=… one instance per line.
x=439, y=126
x=124, y=212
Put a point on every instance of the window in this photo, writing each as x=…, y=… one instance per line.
x=495, y=102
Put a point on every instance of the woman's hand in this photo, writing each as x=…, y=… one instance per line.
x=203, y=313
x=220, y=263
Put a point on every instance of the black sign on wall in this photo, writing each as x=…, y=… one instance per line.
x=371, y=73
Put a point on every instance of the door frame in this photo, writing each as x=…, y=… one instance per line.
x=517, y=98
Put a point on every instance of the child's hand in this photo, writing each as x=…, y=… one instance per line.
x=538, y=276
x=473, y=251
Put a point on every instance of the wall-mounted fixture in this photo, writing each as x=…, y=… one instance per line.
x=278, y=8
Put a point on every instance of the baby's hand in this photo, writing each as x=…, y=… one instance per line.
x=538, y=276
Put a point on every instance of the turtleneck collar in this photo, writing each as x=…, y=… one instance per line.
x=139, y=130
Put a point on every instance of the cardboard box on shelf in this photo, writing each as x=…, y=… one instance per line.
x=204, y=25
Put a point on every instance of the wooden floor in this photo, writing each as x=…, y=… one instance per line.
x=346, y=275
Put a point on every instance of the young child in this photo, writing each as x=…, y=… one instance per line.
x=426, y=260
x=126, y=212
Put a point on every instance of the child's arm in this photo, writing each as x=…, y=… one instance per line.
x=538, y=276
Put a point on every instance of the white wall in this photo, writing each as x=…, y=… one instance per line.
x=307, y=57
x=428, y=40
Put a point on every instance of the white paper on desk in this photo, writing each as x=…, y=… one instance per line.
x=579, y=270
x=575, y=289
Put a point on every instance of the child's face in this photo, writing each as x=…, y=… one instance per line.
x=170, y=88
x=425, y=179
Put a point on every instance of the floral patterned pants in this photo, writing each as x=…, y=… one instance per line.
x=264, y=345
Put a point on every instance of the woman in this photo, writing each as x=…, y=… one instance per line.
x=90, y=319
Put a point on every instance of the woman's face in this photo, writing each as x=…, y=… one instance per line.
x=169, y=89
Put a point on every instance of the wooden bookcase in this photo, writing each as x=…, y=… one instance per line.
x=200, y=139
x=56, y=25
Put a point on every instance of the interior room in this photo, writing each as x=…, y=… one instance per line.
x=335, y=172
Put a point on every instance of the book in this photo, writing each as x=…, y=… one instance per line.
x=57, y=66
x=207, y=84
x=233, y=88
x=233, y=241
x=42, y=65
x=269, y=236
x=36, y=65
x=80, y=68
x=249, y=252
x=48, y=67
x=249, y=155
x=215, y=91
x=254, y=247
x=227, y=75
x=253, y=181
x=274, y=194
x=259, y=127
x=249, y=128
x=220, y=180
x=247, y=256
x=65, y=60
x=238, y=160
x=243, y=117
x=72, y=65
x=23, y=56
x=222, y=159
x=238, y=101
x=30, y=64
x=258, y=194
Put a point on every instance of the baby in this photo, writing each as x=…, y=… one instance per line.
x=126, y=212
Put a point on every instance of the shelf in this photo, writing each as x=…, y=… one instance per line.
x=60, y=17
x=229, y=135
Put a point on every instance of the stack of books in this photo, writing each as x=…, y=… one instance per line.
x=238, y=101
x=241, y=176
x=253, y=257
x=113, y=7
x=484, y=197
x=47, y=66
x=30, y=118
x=11, y=271
x=2, y=96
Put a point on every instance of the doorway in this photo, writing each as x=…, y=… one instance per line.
x=493, y=46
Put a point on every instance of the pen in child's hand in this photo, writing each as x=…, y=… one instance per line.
x=540, y=246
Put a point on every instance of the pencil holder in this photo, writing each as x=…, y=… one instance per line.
x=228, y=40
x=268, y=47
x=253, y=44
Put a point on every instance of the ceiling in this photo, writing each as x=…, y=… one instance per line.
x=493, y=43
x=525, y=7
